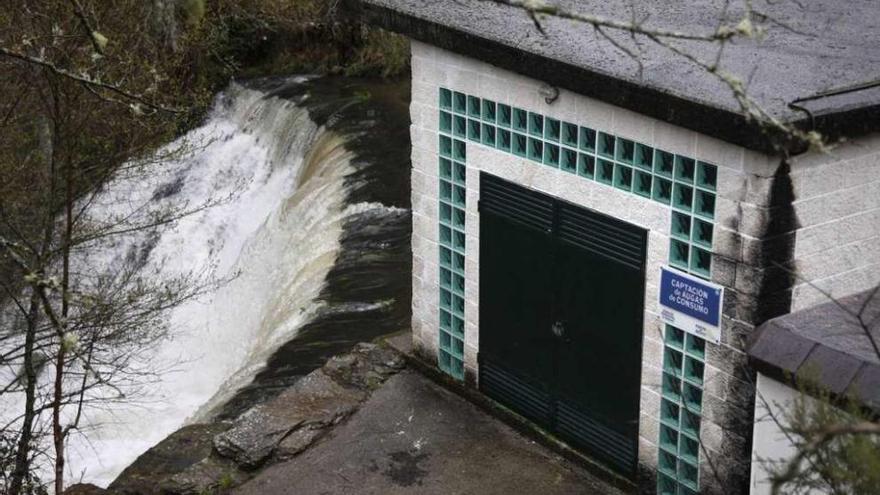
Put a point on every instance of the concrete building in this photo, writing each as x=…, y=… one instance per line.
x=559, y=188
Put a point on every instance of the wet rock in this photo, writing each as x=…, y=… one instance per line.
x=175, y=454
x=299, y=440
x=209, y=475
x=85, y=489
x=315, y=399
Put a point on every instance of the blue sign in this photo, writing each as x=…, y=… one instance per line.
x=691, y=304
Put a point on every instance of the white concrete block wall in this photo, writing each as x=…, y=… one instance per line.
x=837, y=203
x=744, y=179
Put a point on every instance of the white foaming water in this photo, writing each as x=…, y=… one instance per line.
x=275, y=240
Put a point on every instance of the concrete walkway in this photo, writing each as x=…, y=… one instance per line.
x=412, y=436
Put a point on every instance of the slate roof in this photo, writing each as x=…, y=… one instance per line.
x=825, y=343
x=826, y=45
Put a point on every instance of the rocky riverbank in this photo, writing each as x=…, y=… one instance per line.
x=216, y=457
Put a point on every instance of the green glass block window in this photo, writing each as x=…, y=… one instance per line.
x=569, y=134
x=504, y=115
x=683, y=183
x=680, y=405
x=551, y=155
x=625, y=151
x=605, y=145
x=520, y=120
x=605, y=172
x=569, y=160
x=489, y=111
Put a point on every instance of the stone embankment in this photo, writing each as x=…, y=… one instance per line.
x=216, y=457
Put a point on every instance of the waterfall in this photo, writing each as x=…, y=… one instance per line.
x=272, y=242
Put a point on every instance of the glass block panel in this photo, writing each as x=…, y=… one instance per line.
x=488, y=134
x=459, y=128
x=457, y=348
x=681, y=225
x=503, y=142
x=445, y=340
x=445, y=122
x=702, y=233
x=520, y=145
x=693, y=370
x=587, y=139
x=445, y=99
x=474, y=107
x=664, y=163
x=644, y=156
x=669, y=413
x=444, y=360
x=683, y=197
x=445, y=212
x=459, y=103
x=696, y=346
x=586, y=165
x=623, y=177
x=701, y=261
x=679, y=253
x=457, y=261
x=458, y=196
x=662, y=190
x=445, y=190
x=605, y=172
x=671, y=387
x=690, y=423
x=625, y=151
x=605, y=145
x=458, y=304
x=458, y=325
x=569, y=134
x=445, y=257
x=692, y=397
x=674, y=337
x=457, y=369
x=445, y=169
x=445, y=299
x=520, y=120
x=688, y=474
x=445, y=145
x=536, y=149
x=672, y=361
x=551, y=155
x=536, y=124
x=459, y=151
x=458, y=283
x=489, y=111
x=684, y=169
x=707, y=175
x=668, y=439
x=666, y=485
x=705, y=204
x=668, y=463
x=643, y=183
x=445, y=235
x=459, y=172
x=552, y=129
x=689, y=449
x=504, y=115
x=445, y=316
x=474, y=130
x=568, y=161
x=458, y=217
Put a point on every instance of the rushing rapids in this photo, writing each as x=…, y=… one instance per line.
x=301, y=242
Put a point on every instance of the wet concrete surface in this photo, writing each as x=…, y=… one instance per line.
x=413, y=436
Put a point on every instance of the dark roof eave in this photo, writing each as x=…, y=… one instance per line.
x=720, y=123
x=730, y=126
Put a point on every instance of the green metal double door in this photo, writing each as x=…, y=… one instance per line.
x=561, y=305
